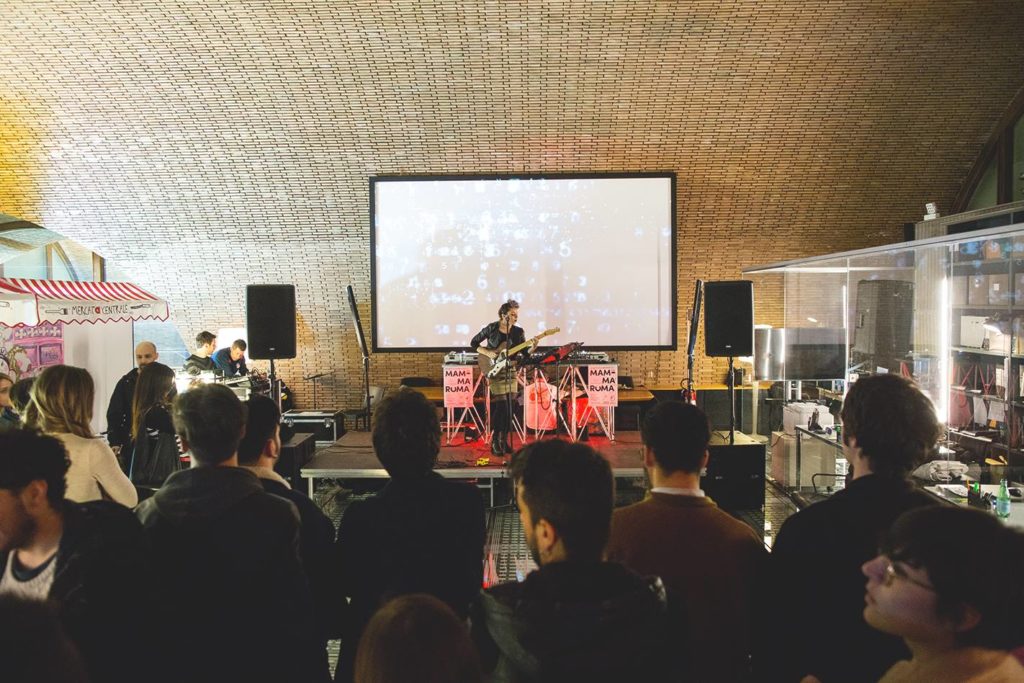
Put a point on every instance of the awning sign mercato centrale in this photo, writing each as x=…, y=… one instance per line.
x=31, y=302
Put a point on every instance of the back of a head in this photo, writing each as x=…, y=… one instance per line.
x=62, y=397
x=893, y=423
x=204, y=338
x=416, y=639
x=33, y=646
x=239, y=345
x=262, y=418
x=21, y=394
x=571, y=486
x=972, y=559
x=211, y=419
x=154, y=387
x=26, y=456
x=406, y=434
x=678, y=433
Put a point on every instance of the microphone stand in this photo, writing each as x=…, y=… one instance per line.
x=508, y=378
x=690, y=396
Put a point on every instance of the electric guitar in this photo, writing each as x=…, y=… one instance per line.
x=492, y=366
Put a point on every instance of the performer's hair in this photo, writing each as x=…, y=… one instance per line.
x=507, y=306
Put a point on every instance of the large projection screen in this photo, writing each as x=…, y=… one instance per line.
x=593, y=255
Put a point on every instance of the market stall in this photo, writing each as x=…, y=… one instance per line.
x=87, y=324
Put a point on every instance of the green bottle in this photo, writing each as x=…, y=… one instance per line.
x=1003, y=500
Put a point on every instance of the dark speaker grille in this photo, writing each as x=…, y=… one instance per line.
x=270, y=319
x=729, y=318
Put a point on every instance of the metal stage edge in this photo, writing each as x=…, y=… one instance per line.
x=352, y=457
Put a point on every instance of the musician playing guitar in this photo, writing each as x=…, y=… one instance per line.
x=499, y=335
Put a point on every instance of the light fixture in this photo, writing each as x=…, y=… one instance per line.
x=998, y=323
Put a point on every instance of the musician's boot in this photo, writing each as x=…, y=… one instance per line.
x=497, y=444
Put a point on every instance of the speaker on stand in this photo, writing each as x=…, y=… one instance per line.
x=729, y=329
x=270, y=323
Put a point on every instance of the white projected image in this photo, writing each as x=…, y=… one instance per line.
x=591, y=255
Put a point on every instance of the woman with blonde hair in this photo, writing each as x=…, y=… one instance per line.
x=62, y=399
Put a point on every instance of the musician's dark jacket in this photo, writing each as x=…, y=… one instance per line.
x=492, y=333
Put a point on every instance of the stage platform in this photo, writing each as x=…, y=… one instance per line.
x=352, y=457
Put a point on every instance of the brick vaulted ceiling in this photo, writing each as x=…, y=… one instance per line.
x=202, y=145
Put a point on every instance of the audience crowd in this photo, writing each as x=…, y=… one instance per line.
x=227, y=573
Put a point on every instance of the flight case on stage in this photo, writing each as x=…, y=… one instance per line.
x=326, y=425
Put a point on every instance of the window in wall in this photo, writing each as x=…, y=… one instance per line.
x=985, y=194
x=168, y=342
x=78, y=260
x=1018, y=160
x=31, y=264
x=61, y=267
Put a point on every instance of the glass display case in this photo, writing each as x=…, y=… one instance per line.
x=946, y=311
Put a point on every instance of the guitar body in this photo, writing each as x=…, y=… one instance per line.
x=494, y=370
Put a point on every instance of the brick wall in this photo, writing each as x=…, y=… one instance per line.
x=207, y=145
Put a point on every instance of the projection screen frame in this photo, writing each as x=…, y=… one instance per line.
x=674, y=257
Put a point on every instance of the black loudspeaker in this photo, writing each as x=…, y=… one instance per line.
x=270, y=320
x=735, y=476
x=729, y=318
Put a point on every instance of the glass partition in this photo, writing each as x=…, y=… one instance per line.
x=947, y=312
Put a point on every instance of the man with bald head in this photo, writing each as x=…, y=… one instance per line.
x=119, y=412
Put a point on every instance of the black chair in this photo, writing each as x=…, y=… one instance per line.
x=627, y=415
x=362, y=415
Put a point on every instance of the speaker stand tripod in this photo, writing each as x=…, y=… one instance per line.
x=732, y=403
x=275, y=388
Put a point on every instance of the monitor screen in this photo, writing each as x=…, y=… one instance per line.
x=591, y=254
x=815, y=353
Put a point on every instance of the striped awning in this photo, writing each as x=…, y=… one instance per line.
x=31, y=302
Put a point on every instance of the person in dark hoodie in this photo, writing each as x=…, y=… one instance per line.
x=421, y=533
x=258, y=452
x=227, y=554
x=576, y=618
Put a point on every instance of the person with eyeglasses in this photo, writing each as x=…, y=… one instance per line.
x=947, y=581
x=815, y=590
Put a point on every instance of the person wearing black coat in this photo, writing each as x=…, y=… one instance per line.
x=119, y=410
x=258, y=452
x=420, y=534
x=576, y=617
x=100, y=573
x=227, y=554
x=815, y=589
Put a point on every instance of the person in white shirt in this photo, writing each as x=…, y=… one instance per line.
x=61, y=405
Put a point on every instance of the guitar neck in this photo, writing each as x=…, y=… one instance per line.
x=519, y=347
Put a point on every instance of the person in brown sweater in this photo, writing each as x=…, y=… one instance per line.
x=707, y=559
